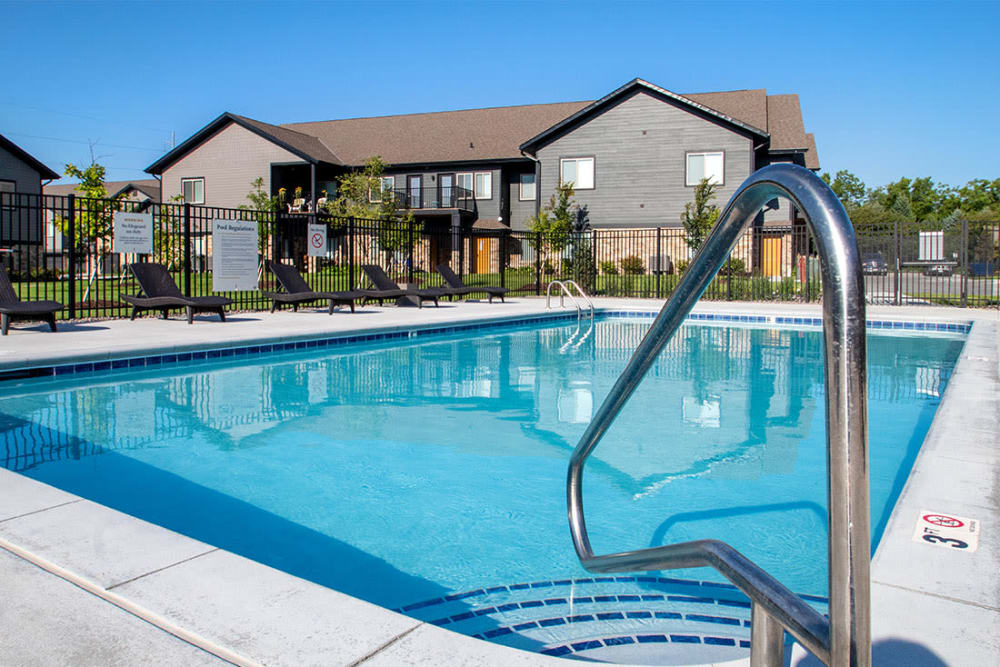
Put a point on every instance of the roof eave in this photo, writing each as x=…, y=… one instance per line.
x=25, y=156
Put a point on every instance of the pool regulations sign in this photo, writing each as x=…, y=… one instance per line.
x=940, y=529
x=234, y=255
x=132, y=233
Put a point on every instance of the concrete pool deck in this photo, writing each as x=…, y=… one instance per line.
x=120, y=577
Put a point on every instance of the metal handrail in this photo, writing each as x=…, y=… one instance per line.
x=564, y=292
x=844, y=639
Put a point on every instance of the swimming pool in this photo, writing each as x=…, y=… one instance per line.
x=406, y=474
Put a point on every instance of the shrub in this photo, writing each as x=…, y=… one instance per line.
x=547, y=267
x=608, y=268
x=632, y=266
x=682, y=266
x=567, y=266
x=734, y=266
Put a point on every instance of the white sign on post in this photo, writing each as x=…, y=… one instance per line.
x=133, y=233
x=234, y=255
x=317, y=240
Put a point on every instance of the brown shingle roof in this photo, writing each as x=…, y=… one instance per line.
x=748, y=106
x=812, y=156
x=446, y=136
x=149, y=186
x=784, y=122
x=307, y=143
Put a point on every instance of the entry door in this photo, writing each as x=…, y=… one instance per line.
x=484, y=253
x=771, y=256
x=413, y=190
x=445, y=191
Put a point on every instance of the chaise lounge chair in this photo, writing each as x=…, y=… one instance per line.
x=385, y=288
x=12, y=308
x=298, y=291
x=158, y=291
x=457, y=286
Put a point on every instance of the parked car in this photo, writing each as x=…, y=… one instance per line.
x=939, y=270
x=873, y=264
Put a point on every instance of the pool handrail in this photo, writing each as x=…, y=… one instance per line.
x=564, y=292
x=844, y=639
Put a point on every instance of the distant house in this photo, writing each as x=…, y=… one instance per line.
x=22, y=174
x=634, y=156
x=141, y=190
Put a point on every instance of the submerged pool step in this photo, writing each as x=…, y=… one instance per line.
x=592, y=616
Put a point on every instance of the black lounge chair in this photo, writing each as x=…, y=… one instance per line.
x=457, y=286
x=385, y=288
x=159, y=292
x=12, y=308
x=297, y=290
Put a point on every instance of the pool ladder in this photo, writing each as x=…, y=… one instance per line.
x=564, y=292
x=845, y=638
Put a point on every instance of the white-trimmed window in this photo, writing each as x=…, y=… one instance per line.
x=7, y=185
x=464, y=181
x=577, y=170
x=526, y=188
x=388, y=183
x=193, y=190
x=484, y=185
x=706, y=165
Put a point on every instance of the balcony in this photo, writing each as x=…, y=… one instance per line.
x=435, y=198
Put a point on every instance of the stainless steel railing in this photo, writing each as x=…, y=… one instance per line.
x=564, y=291
x=844, y=639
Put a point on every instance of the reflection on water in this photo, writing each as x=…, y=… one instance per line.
x=729, y=423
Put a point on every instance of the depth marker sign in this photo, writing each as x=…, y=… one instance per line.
x=941, y=529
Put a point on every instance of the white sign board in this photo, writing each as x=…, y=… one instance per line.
x=931, y=246
x=234, y=255
x=317, y=240
x=133, y=232
x=958, y=533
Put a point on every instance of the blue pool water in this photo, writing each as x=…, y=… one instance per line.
x=405, y=472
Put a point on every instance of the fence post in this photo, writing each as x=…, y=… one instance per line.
x=502, y=259
x=187, y=249
x=964, y=258
x=659, y=265
x=538, y=264
x=898, y=299
x=409, y=276
x=72, y=256
x=350, y=252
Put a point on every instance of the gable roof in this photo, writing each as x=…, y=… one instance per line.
x=307, y=147
x=148, y=186
x=444, y=136
x=27, y=158
x=641, y=85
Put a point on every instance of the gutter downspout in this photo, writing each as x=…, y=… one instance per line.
x=538, y=181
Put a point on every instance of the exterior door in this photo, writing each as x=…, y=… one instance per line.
x=446, y=183
x=771, y=256
x=484, y=253
x=413, y=190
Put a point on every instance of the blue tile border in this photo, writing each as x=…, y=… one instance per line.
x=625, y=640
x=161, y=360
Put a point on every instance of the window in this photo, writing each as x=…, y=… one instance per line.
x=705, y=165
x=7, y=186
x=526, y=191
x=464, y=181
x=484, y=185
x=388, y=183
x=193, y=190
x=579, y=171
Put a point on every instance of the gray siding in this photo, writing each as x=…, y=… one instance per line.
x=26, y=179
x=520, y=211
x=229, y=161
x=639, y=146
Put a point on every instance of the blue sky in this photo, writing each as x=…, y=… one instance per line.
x=889, y=89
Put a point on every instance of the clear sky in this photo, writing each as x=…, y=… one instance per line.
x=889, y=89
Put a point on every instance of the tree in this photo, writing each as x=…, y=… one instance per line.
x=552, y=227
x=266, y=207
x=168, y=246
x=700, y=215
x=849, y=188
x=364, y=194
x=94, y=215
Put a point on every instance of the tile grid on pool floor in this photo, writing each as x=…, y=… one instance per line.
x=157, y=360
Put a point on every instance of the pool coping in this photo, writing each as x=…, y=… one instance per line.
x=60, y=528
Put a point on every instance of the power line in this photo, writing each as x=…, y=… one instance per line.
x=79, y=115
x=85, y=143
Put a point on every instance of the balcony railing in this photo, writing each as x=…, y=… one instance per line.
x=434, y=196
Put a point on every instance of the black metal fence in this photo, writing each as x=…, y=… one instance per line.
x=61, y=248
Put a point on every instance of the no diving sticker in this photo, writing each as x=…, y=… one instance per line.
x=940, y=529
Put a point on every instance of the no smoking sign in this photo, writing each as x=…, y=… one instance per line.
x=317, y=240
x=941, y=529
